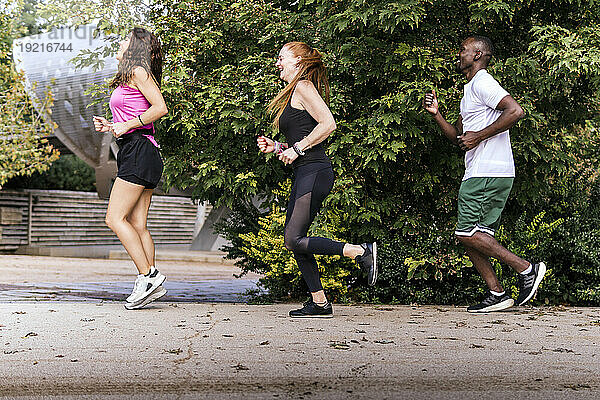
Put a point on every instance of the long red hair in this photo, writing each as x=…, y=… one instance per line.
x=310, y=67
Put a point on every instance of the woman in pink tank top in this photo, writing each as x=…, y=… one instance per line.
x=136, y=102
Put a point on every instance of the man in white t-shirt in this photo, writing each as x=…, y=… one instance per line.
x=487, y=111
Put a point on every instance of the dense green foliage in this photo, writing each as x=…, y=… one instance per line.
x=397, y=176
x=23, y=148
x=67, y=173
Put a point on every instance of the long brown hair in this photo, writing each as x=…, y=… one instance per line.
x=143, y=51
x=310, y=67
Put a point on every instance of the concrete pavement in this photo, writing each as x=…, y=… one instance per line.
x=39, y=278
x=210, y=350
x=194, y=346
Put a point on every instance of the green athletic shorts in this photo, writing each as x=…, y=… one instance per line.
x=480, y=204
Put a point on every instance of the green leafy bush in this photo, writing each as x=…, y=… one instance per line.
x=67, y=173
x=264, y=252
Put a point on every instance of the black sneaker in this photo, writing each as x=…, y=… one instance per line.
x=368, y=261
x=529, y=283
x=311, y=309
x=492, y=303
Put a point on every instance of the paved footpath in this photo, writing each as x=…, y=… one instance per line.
x=38, y=278
x=75, y=341
x=238, y=351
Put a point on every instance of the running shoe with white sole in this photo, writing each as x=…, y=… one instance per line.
x=145, y=285
x=157, y=294
x=528, y=284
x=368, y=261
x=492, y=303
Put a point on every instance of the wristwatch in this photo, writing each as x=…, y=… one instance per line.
x=297, y=149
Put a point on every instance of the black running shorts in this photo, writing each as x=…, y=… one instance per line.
x=139, y=160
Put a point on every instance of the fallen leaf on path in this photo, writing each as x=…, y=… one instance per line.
x=339, y=345
x=562, y=350
x=359, y=368
x=578, y=386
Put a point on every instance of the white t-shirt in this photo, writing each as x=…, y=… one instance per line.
x=492, y=158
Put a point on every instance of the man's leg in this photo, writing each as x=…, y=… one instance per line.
x=480, y=204
x=486, y=244
x=497, y=299
x=485, y=269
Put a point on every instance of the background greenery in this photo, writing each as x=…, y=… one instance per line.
x=23, y=147
x=66, y=173
x=397, y=176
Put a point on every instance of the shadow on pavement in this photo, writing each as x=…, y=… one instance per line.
x=225, y=291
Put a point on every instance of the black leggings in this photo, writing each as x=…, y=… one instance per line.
x=312, y=184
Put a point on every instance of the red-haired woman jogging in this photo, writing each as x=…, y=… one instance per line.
x=303, y=117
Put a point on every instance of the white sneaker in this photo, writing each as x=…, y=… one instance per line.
x=145, y=285
x=157, y=294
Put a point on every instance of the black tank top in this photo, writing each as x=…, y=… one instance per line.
x=296, y=124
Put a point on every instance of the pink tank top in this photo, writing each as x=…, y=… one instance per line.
x=127, y=103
